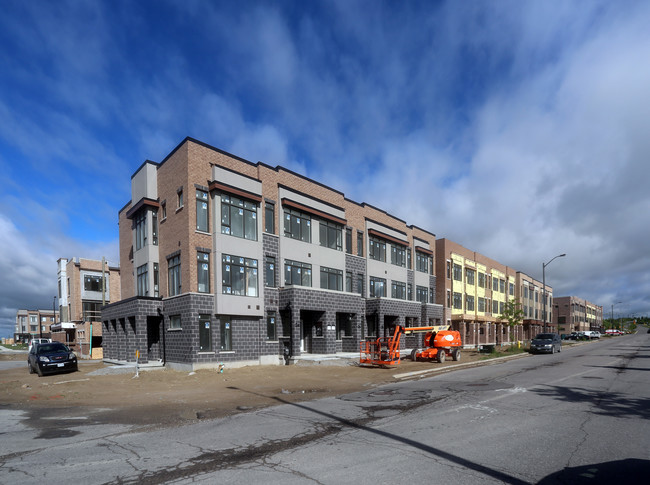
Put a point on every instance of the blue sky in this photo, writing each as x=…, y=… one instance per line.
x=518, y=129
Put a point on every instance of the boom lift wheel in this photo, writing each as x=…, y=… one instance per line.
x=441, y=356
x=456, y=354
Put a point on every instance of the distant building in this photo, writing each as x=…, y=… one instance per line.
x=475, y=289
x=573, y=314
x=81, y=297
x=34, y=323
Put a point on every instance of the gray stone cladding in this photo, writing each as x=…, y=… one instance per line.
x=270, y=246
x=357, y=266
x=316, y=311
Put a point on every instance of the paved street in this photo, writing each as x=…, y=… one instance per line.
x=580, y=416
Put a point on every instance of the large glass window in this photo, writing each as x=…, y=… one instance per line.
x=238, y=217
x=225, y=324
x=398, y=290
x=458, y=272
x=469, y=275
x=203, y=272
x=297, y=225
x=481, y=280
x=331, y=279
x=331, y=235
x=92, y=310
x=270, y=271
x=239, y=275
x=398, y=255
x=458, y=301
x=421, y=262
x=93, y=282
x=481, y=304
x=297, y=273
x=174, y=275
x=422, y=294
x=269, y=218
x=143, y=280
x=377, y=287
x=140, y=229
x=377, y=249
x=469, y=303
x=202, y=211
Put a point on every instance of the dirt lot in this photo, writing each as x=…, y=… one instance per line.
x=166, y=397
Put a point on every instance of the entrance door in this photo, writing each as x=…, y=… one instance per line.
x=153, y=338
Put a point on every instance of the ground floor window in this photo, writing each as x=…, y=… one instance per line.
x=344, y=325
x=226, y=333
x=271, y=329
x=175, y=321
x=205, y=333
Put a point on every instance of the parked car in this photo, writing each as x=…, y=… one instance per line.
x=546, y=342
x=36, y=341
x=49, y=358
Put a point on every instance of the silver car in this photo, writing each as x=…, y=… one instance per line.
x=546, y=342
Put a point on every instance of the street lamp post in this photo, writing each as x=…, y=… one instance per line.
x=613, y=311
x=544, y=265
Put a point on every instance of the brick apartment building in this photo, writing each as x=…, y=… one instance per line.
x=34, y=323
x=475, y=289
x=573, y=314
x=81, y=297
x=224, y=260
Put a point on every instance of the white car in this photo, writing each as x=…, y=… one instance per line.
x=36, y=341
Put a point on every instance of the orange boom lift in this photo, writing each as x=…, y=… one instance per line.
x=385, y=351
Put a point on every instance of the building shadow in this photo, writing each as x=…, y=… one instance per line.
x=630, y=471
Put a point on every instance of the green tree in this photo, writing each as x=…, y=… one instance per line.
x=512, y=315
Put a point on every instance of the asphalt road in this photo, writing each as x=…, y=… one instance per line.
x=580, y=416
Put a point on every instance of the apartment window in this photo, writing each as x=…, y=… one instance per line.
x=91, y=310
x=156, y=281
x=297, y=273
x=331, y=279
x=297, y=225
x=163, y=205
x=203, y=272
x=142, y=280
x=408, y=258
x=481, y=280
x=154, y=227
x=270, y=271
x=469, y=303
x=331, y=235
x=502, y=286
x=481, y=304
x=448, y=299
x=175, y=321
x=377, y=287
x=202, y=211
x=469, y=276
x=432, y=296
x=359, y=243
x=458, y=301
x=398, y=255
x=501, y=307
x=174, y=275
x=238, y=217
x=421, y=294
x=377, y=249
x=93, y=283
x=225, y=324
x=495, y=307
x=360, y=284
x=448, y=270
x=140, y=229
x=409, y=292
x=179, y=198
x=458, y=272
x=271, y=328
x=348, y=240
x=239, y=275
x=269, y=218
x=398, y=290
x=348, y=282
x=495, y=284
x=421, y=262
